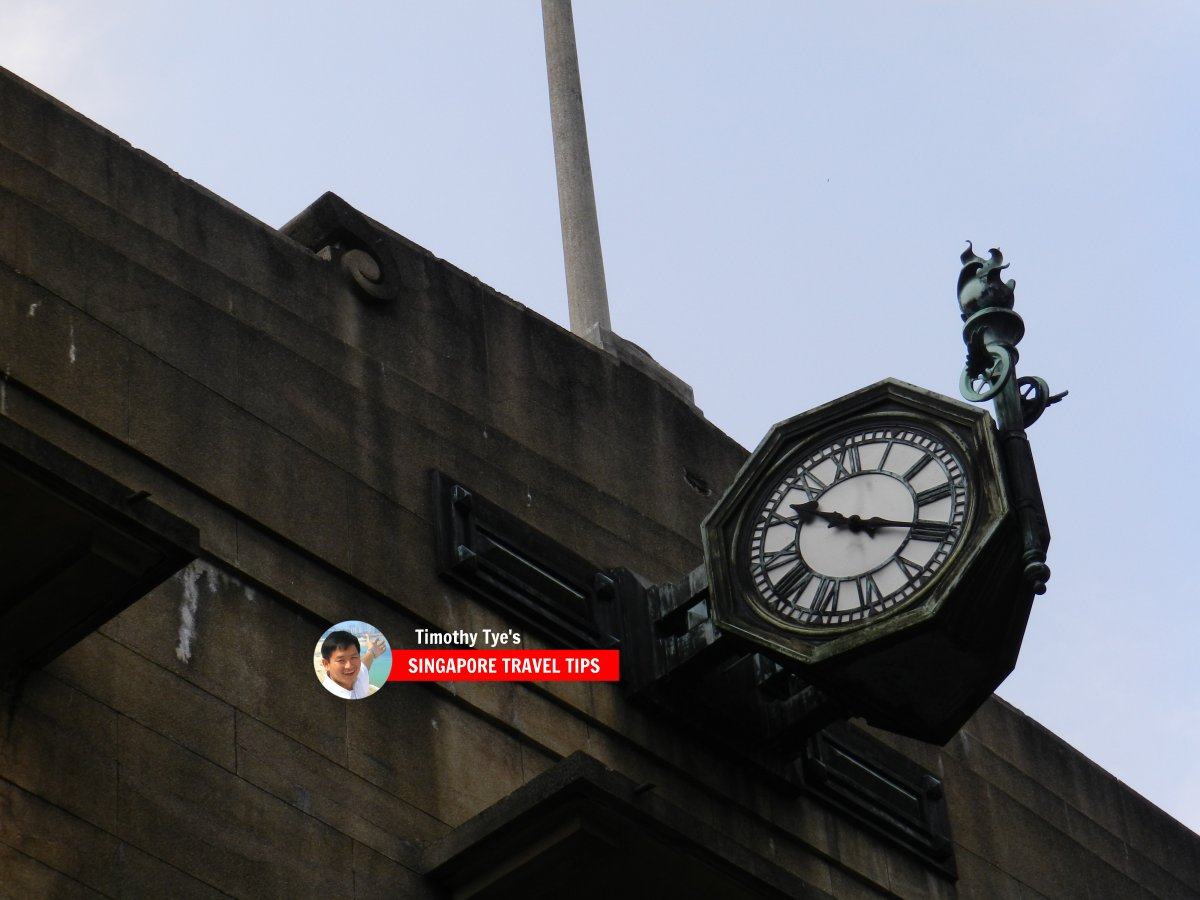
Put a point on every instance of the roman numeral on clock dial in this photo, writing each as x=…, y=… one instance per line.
x=930, y=531
x=826, y=597
x=868, y=591
x=935, y=493
x=910, y=569
x=846, y=462
x=810, y=484
x=915, y=469
x=783, y=557
x=794, y=581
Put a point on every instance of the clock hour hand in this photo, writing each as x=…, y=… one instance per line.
x=806, y=511
x=855, y=523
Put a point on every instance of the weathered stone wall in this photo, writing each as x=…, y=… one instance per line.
x=1030, y=814
x=185, y=749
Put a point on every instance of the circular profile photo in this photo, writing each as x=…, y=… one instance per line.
x=352, y=660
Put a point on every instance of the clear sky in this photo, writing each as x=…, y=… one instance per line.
x=783, y=190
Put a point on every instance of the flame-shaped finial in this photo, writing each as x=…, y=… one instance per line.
x=980, y=285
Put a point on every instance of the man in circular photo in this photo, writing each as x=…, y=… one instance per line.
x=346, y=661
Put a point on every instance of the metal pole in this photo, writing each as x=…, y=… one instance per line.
x=991, y=331
x=587, y=295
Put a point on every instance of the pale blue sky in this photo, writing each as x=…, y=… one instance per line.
x=783, y=189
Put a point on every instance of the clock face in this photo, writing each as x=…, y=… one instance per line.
x=852, y=526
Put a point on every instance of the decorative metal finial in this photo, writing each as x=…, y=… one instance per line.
x=991, y=332
x=979, y=283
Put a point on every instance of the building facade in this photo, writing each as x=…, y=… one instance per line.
x=218, y=438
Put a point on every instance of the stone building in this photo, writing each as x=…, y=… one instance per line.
x=218, y=438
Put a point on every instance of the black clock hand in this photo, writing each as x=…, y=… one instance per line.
x=858, y=523
x=920, y=530
x=854, y=523
x=805, y=511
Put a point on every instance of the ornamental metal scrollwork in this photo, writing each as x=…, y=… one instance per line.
x=991, y=331
x=986, y=371
x=1035, y=397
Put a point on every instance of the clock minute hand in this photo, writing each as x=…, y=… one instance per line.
x=869, y=525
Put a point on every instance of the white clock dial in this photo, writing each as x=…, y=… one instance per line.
x=854, y=526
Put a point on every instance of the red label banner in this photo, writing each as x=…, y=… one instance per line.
x=505, y=665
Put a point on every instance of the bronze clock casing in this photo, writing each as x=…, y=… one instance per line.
x=922, y=667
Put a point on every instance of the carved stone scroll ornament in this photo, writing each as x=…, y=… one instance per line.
x=342, y=235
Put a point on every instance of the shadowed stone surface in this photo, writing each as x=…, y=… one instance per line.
x=186, y=748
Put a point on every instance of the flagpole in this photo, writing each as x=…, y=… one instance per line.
x=587, y=294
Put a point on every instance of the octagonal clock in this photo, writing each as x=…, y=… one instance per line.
x=870, y=543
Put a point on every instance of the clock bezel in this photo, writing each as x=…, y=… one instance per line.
x=733, y=604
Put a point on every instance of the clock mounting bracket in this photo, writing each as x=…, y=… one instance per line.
x=991, y=332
